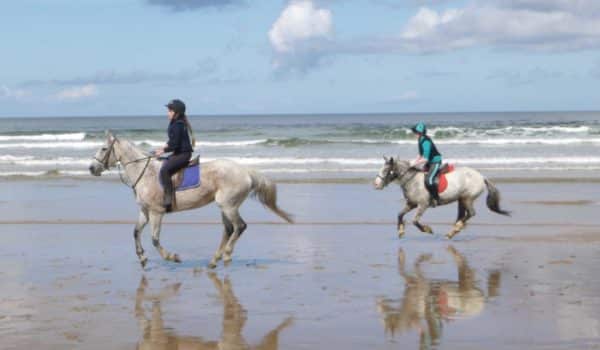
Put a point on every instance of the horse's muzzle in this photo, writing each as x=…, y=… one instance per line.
x=377, y=184
x=94, y=170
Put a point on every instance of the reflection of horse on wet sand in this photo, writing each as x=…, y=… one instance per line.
x=429, y=303
x=156, y=336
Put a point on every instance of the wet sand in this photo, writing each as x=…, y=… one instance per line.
x=338, y=279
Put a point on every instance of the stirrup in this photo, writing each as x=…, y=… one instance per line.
x=168, y=204
x=434, y=202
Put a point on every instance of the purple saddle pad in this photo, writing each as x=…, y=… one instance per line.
x=191, y=178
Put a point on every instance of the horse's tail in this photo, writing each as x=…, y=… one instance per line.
x=493, y=199
x=266, y=191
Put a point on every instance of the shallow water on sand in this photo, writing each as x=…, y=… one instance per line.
x=295, y=287
x=340, y=278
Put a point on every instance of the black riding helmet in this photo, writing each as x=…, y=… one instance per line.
x=176, y=106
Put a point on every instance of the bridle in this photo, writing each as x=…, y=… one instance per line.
x=106, y=158
x=392, y=175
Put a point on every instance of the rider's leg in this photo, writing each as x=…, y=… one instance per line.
x=173, y=164
x=434, y=168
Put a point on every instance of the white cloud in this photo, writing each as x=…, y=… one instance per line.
x=78, y=92
x=548, y=25
x=302, y=36
x=300, y=21
x=18, y=94
x=300, y=32
x=408, y=96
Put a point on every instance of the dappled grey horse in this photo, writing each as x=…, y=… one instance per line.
x=222, y=181
x=465, y=185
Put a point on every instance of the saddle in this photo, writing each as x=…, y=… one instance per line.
x=440, y=179
x=188, y=177
x=444, y=169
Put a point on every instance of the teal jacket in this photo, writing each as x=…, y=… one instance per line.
x=428, y=150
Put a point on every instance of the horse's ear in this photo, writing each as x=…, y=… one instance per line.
x=392, y=160
x=109, y=135
x=385, y=158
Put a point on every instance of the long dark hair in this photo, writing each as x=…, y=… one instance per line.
x=185, y=119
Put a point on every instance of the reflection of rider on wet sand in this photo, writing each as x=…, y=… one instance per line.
x=428, y=303
x=156, y=336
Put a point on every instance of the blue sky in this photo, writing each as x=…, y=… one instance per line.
x=109, y=57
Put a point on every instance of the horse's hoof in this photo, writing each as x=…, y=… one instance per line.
x=226, y=259
x=176, y=258
x=449, y=236
x=143, y=262
x=400, y=234
x=212, y=265
x=427, y=229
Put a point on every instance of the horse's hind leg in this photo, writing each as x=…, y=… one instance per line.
x=227, y=231
x=239, y=226
x=156, y=221
x=137, y=231
x=460, y=223
x=466, y=210
x=423, y=228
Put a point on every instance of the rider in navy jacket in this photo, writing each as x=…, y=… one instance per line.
x=180, y=144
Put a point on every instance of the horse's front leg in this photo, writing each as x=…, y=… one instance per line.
x=137, y=232
x=407, y=208
x=156, y=221
x=423, y=228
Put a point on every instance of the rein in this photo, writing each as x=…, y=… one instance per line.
x=111, y=149
x=147, y=159
x=393, y=176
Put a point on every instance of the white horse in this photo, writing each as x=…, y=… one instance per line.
x=222, y=181
x=465, y=185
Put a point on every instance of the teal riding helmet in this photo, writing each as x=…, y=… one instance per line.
x=420, y=128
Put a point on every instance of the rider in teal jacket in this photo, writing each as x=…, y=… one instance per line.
x=431, y=157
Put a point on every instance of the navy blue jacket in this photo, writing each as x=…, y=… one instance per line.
x=179, y=139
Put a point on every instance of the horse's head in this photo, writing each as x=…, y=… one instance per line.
x=105, y=157
x=391, y=170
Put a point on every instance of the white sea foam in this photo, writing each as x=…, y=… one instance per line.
x=242, y=143
x=79, y=136
x=65, y=145
x=8, y=158
x=48, y=162
x=507, y=142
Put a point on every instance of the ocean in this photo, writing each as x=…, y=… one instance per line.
x=342, y=146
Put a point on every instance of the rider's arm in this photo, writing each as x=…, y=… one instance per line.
x=418, y=161
x=426, y=149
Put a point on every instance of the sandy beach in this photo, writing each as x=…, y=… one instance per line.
x=339, y=278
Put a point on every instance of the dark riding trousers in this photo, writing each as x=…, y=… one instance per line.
x=179, y=143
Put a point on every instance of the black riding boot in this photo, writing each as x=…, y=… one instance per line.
x=435, y=198
x=168, y=198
